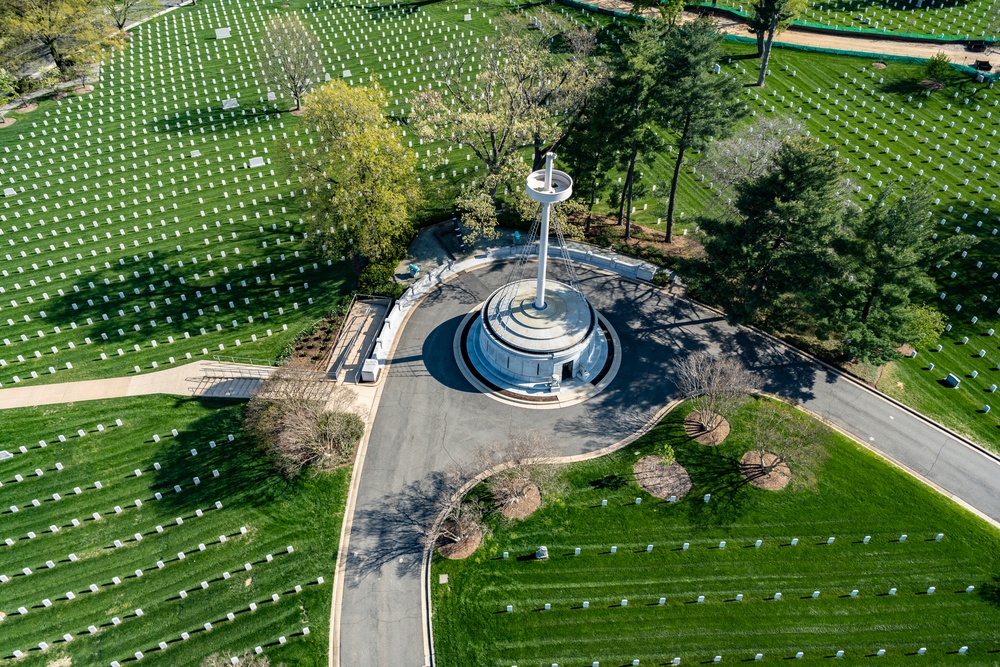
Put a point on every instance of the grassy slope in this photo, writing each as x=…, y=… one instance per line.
x=954, y=20
x=858, y=494
x=305, y=514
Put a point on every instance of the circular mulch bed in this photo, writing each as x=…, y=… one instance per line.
x=932, y=85
x=463, y=548
x=659, y=480
x=7, y=122
x=878, y=64
x=297, y=112
x=777, y=479
x=27, y=108
x=694, y=426
x=83, y=90
x=526, y=506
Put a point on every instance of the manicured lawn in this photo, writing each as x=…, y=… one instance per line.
x=306, y=515
x=944, y=20
x=857, y=495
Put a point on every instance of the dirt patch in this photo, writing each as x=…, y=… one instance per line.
x=7, y=122
x=931, y=85
x=878, y=65
x=526, y=505
x=753, y=471
x=465, y=547
x=312, y=349
x=83, y=90
x=64, y=661
x=698, y=427
x=27, y=108
x=297, y=112
x=906, y=349
x=659, y=480
x=645, y=243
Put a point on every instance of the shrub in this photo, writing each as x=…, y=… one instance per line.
x=291, y=419
x=937, y=68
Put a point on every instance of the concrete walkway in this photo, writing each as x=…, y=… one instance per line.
x=201, y=378
x=431, y=421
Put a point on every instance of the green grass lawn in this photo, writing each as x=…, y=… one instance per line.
x=943, y=20
x=857, y=495
x=194, y=256
x=276, y=514
x=942, y=137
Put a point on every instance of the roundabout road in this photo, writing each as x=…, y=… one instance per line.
x=431, y=422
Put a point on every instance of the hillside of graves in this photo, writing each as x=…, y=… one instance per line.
x=150, y=528
x=145, y=225
x=889, y=130
x=938, y=19
x=869, y=563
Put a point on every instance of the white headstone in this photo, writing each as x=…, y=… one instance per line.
x=222, y=33
x=256, y=162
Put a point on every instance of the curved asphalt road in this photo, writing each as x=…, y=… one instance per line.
x=431, y=422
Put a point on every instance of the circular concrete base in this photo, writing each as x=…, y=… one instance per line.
x=570, y=392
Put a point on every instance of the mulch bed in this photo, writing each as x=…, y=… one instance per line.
x=932, y=85
x=661, y=481
x=464, y=547
x=694, y=426
x=878, y=65
x=526, y=506
x=83, y=90
x=7, y=122
x=27, y=108
x=777, y=479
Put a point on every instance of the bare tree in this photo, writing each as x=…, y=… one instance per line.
x=525, y=94
x=780, y=443
x=749, y=154
x=247, y=659
x=464, y=520
x=302, y=420
x=122, y=12
x=289, y=55
x=716, y=385
x=523, y=467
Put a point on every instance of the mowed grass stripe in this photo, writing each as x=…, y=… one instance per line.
x=857, y=494
x=305, y=514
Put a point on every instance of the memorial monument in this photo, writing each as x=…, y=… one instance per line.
x=537, y=335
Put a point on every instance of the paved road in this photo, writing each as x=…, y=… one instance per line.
x=431, y=421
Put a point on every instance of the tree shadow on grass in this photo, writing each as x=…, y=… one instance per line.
x=713, y=470
x=245, y=475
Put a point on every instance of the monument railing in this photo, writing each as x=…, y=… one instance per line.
x=578, y=252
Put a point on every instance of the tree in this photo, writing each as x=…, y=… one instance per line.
x=72, y=32
x=716, y=385
x=522, y=467
x=779, y=443
x=749, y=154
x=589, y=153
x=123, y=12
x=248, y=659
x=360, y=185
x=631, y=106
x=525, y=94
x=774, y=256
x=8, y=89
x=289, y=55
x=937, y=68
x=301, y=421
x=697, y=104
x=668, y=10
x=463, y=520
x=889, y=252
x=768, y=18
